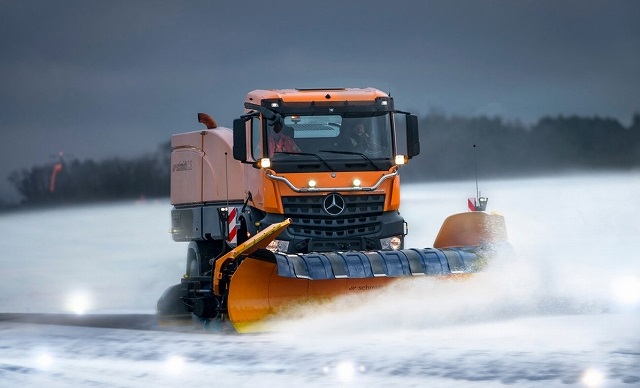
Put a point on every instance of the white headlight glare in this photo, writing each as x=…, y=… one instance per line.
x=265, y=162
x=395, y=243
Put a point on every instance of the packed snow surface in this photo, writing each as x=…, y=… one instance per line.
x=562, y=309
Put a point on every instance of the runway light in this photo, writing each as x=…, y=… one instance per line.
x=175, y=365
x=592, y=378
x=627, y=289
x=345, y=371
x=44, y=361
x=78, y=303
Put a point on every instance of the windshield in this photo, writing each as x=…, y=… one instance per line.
x=331, y=142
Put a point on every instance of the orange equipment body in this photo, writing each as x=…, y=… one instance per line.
x=315, y=222
x=201, y=167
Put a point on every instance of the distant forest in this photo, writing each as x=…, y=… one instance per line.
x=511, y=149
x=451, y=148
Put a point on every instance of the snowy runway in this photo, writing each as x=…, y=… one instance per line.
x=564, y=311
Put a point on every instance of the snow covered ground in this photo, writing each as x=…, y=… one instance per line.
x=563, y=310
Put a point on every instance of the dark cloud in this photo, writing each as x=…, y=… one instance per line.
x=99, y=78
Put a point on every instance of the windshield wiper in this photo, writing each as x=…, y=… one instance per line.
x=363, y=156
x=306, y=154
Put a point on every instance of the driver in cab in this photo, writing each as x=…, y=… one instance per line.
x=359, y=137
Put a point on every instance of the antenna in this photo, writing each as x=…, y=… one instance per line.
x=481, y=204
x=475, y=165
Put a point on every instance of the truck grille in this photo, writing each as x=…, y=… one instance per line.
x=360, y=217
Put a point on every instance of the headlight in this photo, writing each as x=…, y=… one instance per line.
x=391, y=243
x=278, y=246
x=265, y=163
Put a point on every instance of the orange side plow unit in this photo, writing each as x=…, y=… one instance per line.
x=264, y=283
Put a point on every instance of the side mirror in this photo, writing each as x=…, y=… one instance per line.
x=239, y=140
x=413, y=137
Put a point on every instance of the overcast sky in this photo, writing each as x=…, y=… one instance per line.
x=116, y=78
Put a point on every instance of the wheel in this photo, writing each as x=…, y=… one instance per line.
x=170, y=304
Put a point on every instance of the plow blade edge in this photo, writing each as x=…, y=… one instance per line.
x=357, y=265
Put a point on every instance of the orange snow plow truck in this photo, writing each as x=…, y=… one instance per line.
x=300, y=201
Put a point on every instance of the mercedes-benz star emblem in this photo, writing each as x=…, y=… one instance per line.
x=333, y=204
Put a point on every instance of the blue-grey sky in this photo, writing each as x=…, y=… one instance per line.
x=116, y=78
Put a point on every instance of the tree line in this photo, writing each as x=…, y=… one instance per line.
x=452, y=148
x=80, y=181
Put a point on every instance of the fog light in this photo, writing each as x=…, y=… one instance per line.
x=278, y=246
x=391, y=243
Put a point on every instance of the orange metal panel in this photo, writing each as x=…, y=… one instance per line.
x=249, y=292
x=471, y=229
x=186, y=168
x=294, y=95
x=257, y=292
x=272, y=194
x=266, y=192
x=187, y=139
x=262, y=190
x=393, y=194
x=220, y=169
x=285, y=292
